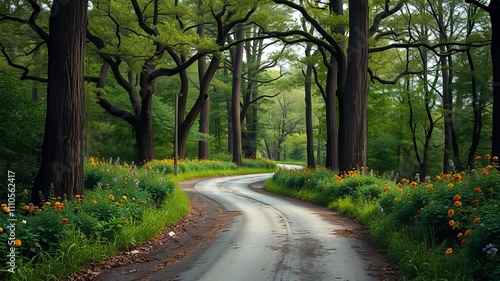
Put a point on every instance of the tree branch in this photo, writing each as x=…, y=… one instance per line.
x=25, y=70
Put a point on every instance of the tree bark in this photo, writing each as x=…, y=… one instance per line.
x=309, y=111
x=353, y=107
x=62, y=149
x=236, y=95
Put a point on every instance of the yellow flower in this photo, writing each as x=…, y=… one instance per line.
x=111, y=197
x=124, y=197
x=450, y=185
x=457, y=203
x=5, y=209
x=17, y=243
x=449, y=251
x=117, y=204
x=47, y=203
x=1, y=229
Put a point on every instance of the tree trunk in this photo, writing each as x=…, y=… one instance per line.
x=62, y=150
x=331, y=159
x=309, y=111
x=144, y=127
x=205, y=110
x=353, y=122
x=494, y=11
x=236, y=95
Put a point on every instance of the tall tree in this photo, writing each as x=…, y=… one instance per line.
x=493, y=10
x=62, y=149
x=237, y=62
x=353, y=107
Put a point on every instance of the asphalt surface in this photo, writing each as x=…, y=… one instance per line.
x=270, y=239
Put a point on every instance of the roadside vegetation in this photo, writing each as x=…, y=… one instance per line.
x=441, y=228
x=123, y=205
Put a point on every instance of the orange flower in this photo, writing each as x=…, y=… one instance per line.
x=476, y=220
x=17, y=243
x=464, y=241
x=386, y=189
x=446, y=176
x=495, y=158
x=474, y=201
x=451, y=213
x=468, y=231
x=457, y=177
x=64, y=220
x=477, y=157
x=449, y=251
x=459, y=235
x=457, y=197
x=451, y=222
x=414, y=184
x=485, y=173
x=458, y=203
x=487, y=156
x=477, y=190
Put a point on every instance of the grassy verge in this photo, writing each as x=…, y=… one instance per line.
x=441, y=229
x=123, y=205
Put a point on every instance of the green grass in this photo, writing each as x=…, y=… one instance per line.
x=416, y=261
x=76, y=250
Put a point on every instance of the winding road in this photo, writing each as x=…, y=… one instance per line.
x=270, y=239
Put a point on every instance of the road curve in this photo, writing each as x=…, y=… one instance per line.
x=271, y=239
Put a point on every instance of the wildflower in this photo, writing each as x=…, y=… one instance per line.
x=487, y=156
x=124, y=197
x=77, y=196
x=17, y=243
x=438, y=178
x=143, y=202
x=446, y=176
x=107, y=185
x=474, y=201
x=429, y=186
x=477, y=157
x=459, y=235
x=386, y=189
x=111, y=197
x=64, y=221
x=5, y=209
x=495, y=158
x=464, y=241
x=477, y=190
x=133, y=198
x=47, y=203
x=1, y=229
x=450, y=185
x=117, y=204
x=490, y=249
x=468, y=231
x=451, y=213
x=449, y=251
x=457, y=177
x=485, y=173
x=409, y=202
x=476, y=220
x=414, y=184
x=457, y=197
x=457, y=204
x=451, y=223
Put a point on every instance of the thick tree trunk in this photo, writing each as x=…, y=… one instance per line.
x=204, y=127
x=62, y=154
x=494, y=11
x=331, y=159
x=309, y=123
x=236, y=96
x=144, y=130
x=353, y=122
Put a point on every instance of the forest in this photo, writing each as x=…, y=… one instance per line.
x=407, y=87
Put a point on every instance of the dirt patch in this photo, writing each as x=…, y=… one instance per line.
x=198, y=229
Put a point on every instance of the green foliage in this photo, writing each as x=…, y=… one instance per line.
x=447, y=228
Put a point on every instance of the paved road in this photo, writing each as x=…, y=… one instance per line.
x=271, y=239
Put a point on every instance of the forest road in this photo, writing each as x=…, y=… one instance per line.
x=270, y=239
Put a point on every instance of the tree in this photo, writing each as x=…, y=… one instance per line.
x=62, y=149
x=493, y=10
